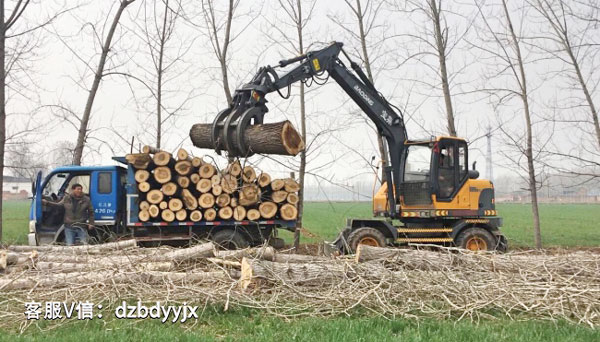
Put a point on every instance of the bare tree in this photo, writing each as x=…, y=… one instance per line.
x=161, y=69
x=366, y=14
x=215, y=27
x=502, y=47
x=17, y=41
x=571, y=34
x=98, y=75
x=437, y=36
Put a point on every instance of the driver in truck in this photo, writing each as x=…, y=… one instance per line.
x=78, y=210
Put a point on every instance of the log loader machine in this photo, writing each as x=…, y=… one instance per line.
x=428, y=192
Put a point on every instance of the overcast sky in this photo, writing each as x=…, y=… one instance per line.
x=56, y=74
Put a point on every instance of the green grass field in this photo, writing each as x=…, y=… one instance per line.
x=562, y=225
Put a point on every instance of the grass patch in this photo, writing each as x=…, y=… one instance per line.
x=252, y=325
x=566, y=225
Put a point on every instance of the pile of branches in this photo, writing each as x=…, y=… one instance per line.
x=444, y=283
x=189, y=188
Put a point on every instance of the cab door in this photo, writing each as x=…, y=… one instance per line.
x=451, y=171
x=35, y=212
x=104, y=194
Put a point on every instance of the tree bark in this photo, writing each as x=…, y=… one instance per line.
x=273, y=138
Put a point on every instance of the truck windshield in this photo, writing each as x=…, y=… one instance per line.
x=55, y=183
x=418, y=163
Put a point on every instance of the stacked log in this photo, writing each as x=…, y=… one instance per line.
x=179, y=187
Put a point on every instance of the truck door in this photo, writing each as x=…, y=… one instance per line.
x=35, y=212
x=103, y=193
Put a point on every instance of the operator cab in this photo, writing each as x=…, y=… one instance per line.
x=438, y=168
x=101, y=184
x=436, y=176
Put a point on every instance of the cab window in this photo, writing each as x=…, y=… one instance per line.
x=446, y=171
x=83, y=180
x=463, y=167
x=418, y=164
x=55, y=183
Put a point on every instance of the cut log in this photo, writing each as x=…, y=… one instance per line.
x=197, y=162
x=154, y=196
x=249, y=195
x=92, y=249
x=272, y=138
x=154, y=211
x=140, y=161
x=210, y=214
x=162, y=174
x=204, y=185
x=207, y=171
x=144, y=215
x=206, y=201
x=229, y=183
x=225, y=213
x=167, y=215
x=169, y=189
x=162, y=158
x=204, y=250
x=264, y=253
x=194, y=178
x=277, y=184
x=141, y=175
x=255, y=271
x=233, y=203
x=216, y=179
x=150, y=149
x=248, y=174
x=291, y=185
x=182, y=154
x=181, y=215
x=288, y=212
x=196, y=216
x=298, y=258
x=175, y=204
x=279, y=196
x=163, y=205
x=183, y=167
x=189, y=200
x=239, y=213
x=144, y=205
x=144, y=187
x=67, y=267
x=293, y=199
x=253, y=215
x=264, y=180
x=234, y=168
x=267, y=210
x=217, y=189
x=223, y=200
x=183, y=181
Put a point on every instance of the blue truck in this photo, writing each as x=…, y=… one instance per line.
x=114, y=195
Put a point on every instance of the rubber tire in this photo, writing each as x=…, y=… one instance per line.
x=230, y=239
x=465, y=235
x=361, y=233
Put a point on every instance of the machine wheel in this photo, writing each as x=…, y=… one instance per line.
x=365, y=236
x=230, y=239
x=476, y=239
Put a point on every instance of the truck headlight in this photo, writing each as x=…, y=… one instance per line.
x=32, y=226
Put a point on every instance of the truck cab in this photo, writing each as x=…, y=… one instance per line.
x=104, y=186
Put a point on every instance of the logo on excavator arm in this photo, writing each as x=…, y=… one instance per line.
x=316, y=64
x=255, y=96
x=363, y=95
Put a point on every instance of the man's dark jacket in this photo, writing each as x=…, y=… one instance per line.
x=77, y=209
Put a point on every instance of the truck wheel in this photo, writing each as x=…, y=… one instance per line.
x=365, y=236
x=476, y=239
x=230, y=239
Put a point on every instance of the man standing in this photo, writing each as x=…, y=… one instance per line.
x=78, y=210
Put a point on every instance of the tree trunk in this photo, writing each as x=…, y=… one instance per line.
x=189, y=200
x=273, y=138
x=288, y=212
x=206, y=200
x=90, y=249
x=210, y=214
x=162, y=174
x=441, y=52
x=529, y=148
x=225, y=213
x=204, y=185
x=267, y=209
x=253, y=215
x=140, y=161
x=83, y=128
x=239, y=213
